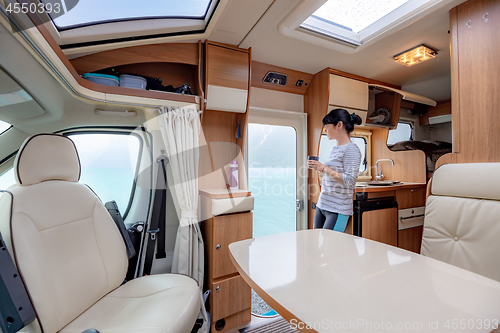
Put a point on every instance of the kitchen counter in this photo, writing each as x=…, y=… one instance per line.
x=400, y=186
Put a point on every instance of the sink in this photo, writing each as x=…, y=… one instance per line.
x=384, y=182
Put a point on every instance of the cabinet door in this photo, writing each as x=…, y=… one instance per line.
x=227, y=78
x=381, y=225
x=411, y=239
x=229, y=296
x=226, y=230
x=411, y=197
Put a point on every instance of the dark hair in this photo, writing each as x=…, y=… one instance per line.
x=349, y=120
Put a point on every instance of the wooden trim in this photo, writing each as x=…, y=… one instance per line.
x=227, y=46
x=316, y=107
x=371, y=189
x=200, y=84
x=455, y=80
x=428, y=190
x=362, y=78
x=442, y=108
x=260, y=69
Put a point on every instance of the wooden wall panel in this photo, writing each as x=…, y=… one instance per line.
x=259, y=71
x=409, y=166
x=475, y=74
x=316, y=107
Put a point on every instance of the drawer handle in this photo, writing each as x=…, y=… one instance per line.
x=412, y=191
x=411, y=217
x=217, y=247
x=217, y=289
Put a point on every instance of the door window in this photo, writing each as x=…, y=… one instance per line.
x=109, y=164
x=272, y=177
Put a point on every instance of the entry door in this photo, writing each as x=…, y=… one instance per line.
x=277, y=173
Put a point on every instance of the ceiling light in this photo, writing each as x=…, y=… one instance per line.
x=415, y=55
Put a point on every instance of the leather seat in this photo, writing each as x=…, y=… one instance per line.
x=462, y=217
x=72, y=258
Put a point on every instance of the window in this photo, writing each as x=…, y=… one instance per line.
x=362, y=139
x=91, y=12
x=355, y=15
x=352, y=24
x=109, y=164
x=4, y=126
x=7, y=179
x=403, y=132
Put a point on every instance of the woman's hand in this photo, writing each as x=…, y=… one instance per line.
x=315, y=165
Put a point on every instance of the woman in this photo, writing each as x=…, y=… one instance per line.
x=340, y=172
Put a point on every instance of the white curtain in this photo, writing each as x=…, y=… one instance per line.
x=180, y=128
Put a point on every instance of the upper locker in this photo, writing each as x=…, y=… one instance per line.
x=224, y=121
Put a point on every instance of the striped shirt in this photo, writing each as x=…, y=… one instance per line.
x=336, y=197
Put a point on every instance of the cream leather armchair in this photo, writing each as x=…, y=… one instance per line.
x=72, y=258
x=462, y=217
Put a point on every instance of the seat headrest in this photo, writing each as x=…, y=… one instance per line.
x=45, y=157
x=467, y=180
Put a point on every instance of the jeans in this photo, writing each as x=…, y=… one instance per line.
x=324, y=219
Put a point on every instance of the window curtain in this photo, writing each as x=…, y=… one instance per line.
x=180, y=128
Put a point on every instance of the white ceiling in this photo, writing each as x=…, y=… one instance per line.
x=430, y=79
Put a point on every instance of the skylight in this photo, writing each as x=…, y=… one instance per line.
x=91, y=12
x=356, y=22
x=356, y=15
x=4, y=126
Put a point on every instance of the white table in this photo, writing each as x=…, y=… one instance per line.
x=325, y=281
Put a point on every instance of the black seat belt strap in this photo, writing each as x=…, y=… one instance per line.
x=158, y=215
x=162, y=219
x=112, y=208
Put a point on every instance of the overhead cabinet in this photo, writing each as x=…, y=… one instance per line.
x=351, y=95
x=227, y=78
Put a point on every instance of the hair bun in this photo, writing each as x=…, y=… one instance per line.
x=355, y=119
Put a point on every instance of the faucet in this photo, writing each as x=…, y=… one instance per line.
x=380, y=176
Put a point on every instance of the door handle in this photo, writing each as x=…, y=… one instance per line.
x=299, y=205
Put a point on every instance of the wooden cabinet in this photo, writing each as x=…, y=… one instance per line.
x=230, y=296
x=175, y=64
x=224, y=120
x=411, y=197
x=227, y=82
x=381, y=225
x=411, y=239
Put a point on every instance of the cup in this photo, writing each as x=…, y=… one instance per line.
x=315, y=158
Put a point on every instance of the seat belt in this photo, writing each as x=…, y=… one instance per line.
x=16, y=310
x=112, y=208
x=158, y=217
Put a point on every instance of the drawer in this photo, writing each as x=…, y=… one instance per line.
x=229, y=296
x=227, y=229
x=411, y=217
x=411, y=197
